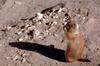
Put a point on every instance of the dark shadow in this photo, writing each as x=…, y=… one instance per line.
x=84, y=60
x=98, y=64
x=48, y=51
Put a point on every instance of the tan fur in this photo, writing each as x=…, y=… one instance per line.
x=75, y=42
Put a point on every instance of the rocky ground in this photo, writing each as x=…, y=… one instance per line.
x=31, y=31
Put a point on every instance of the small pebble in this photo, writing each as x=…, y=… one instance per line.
x=40, y=37
x=16, y=57
x=44, y=20
x=18, y=2
x=29, y=64
x=26, y=25
x=39, y=16
x=8, y=58
x=55, y=23
x=60, y=10
x=55, y=35
x=24, y=60
x=37, y=33
x=8, y=28
x=31, y=28
x=26, y=36
x=39, y=23
x=50, y=14
x=84, y=18
x=22, y=30
x=21, y=39
x=19, y=33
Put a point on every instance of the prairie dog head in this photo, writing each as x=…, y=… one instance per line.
x=71, y=27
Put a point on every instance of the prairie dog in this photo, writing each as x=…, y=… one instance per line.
x=75, y=42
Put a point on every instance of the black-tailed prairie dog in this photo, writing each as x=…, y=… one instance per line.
x=75, y=42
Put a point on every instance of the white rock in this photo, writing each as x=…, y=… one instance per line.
x=45, y=33
x=39, y=23
x=27, y=31
x=8, y=58
x=39, y=16
x=84, y=18
x=31, y=28
x=16, y=57
x=37, y=32
x=26, y=25
x=8, y=28
x=21, y=39
x=40, y=37
x=50, y=14
x=24, y=60
x=26, y=36
x=55, y=23
x=78, y=15
x=55, y=35
x=18, y=2
x=44, y=20
x=47, y=19
x=60, y=10
x=25, y=54
x=65, y=9
x=22, y=30
x=29, y=64
x=19, y=33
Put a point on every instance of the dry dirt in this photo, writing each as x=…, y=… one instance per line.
x=31, y=31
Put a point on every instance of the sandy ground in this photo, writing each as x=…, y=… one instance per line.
x=31, y=31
